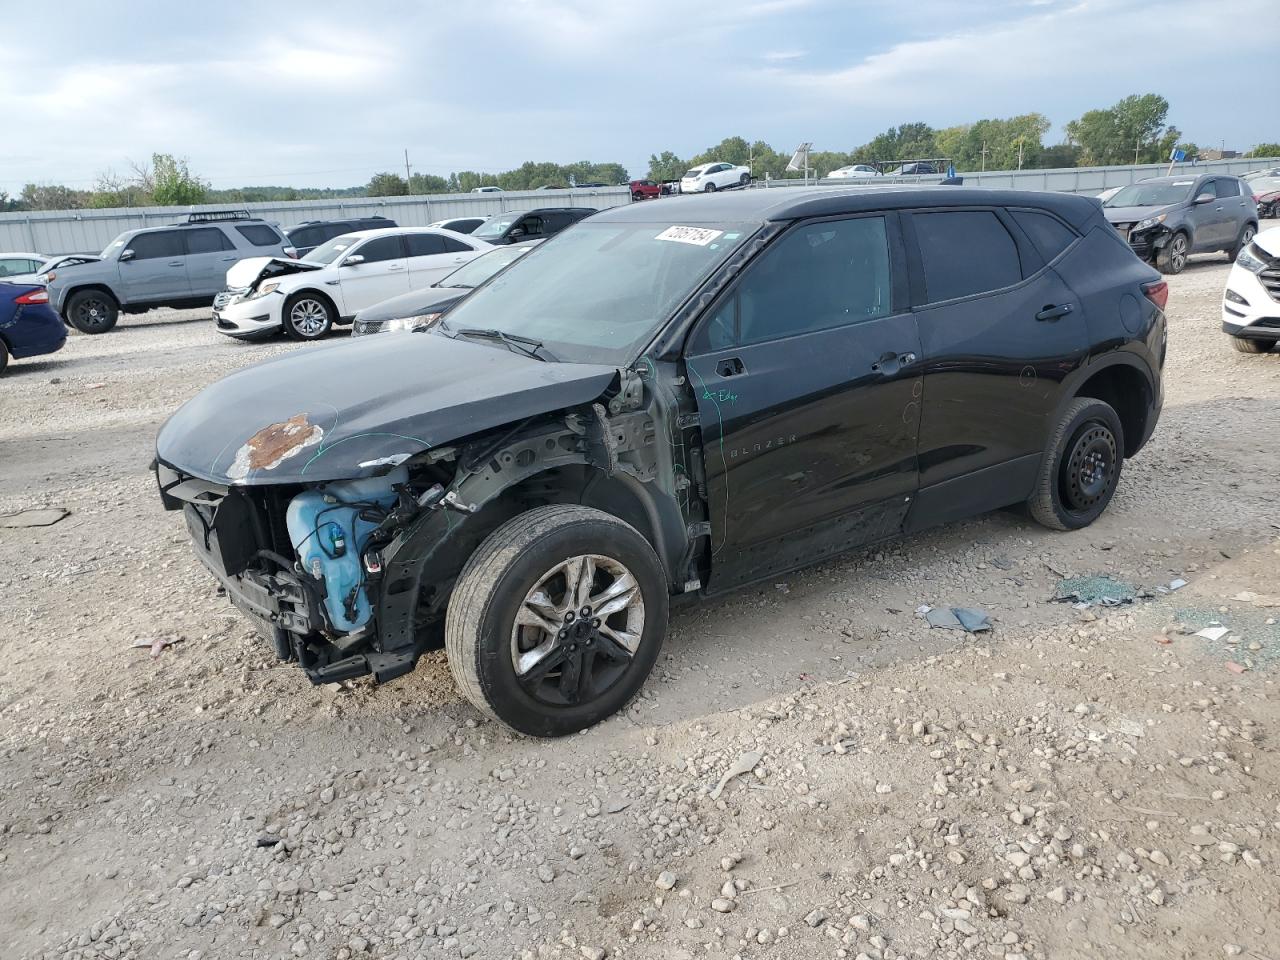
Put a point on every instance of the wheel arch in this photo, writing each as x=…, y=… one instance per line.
x=1123, y=384
x=81, y=288
x=315, y=291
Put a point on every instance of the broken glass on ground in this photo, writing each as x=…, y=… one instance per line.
x=1092, y=591
x=967, y=619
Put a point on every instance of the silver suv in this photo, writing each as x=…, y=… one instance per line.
x=180, y=265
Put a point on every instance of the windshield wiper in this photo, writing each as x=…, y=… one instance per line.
x=525, y=345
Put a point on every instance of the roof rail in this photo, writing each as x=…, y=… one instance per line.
x=214, y=216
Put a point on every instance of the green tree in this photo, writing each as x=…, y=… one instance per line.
x=1132, y=129
x=387, y=185
x=51, y=196
x=666, y=166
x=428, y=183
x=1265, y=150
x=910, y=141
x=173, y=183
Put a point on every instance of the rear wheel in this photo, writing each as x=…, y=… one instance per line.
x=709, y=188
x=307, y=316
x=1252, y=346
x=1245, y=238
x=1081, y=467
x=1172, y=257
x=92, y=311
x=4, y=356
x=556, y=620
x=744, y=179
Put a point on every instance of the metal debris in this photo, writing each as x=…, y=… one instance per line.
x=1098, y=590
x=744, y=764
x=968, y=619
x=33, y=518
x=1213, y=632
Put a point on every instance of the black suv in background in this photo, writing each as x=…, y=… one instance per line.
x=309, y=234
x=1166, y=219
x=668, y=399
x=516, y=225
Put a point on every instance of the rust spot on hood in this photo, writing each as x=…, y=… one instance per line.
x=273, y=445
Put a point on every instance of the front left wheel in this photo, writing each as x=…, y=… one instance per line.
x=307, y=316
x=556, y=620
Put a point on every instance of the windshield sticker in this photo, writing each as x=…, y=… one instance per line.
x=698, y=236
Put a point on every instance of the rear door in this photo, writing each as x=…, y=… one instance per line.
x=433, y=256
x=1237, y=208
x=807, y=381
x=210, y=253
x=382, y=274
x=157, y=268
x=999, y=331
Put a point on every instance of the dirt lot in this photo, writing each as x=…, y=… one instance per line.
x=1091, y=783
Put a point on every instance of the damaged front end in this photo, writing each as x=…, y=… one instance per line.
x=340, y=530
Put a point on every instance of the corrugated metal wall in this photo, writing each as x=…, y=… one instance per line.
x=89, y=231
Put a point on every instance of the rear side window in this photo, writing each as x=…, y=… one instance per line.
x=424, y=244
x=1048, y=233
x=305, y=237
x=260, y=235
x=153, y=246
x=1225, y=187
x=381, y=248
x=965, y=252
x=208, y=240
x=454, y=245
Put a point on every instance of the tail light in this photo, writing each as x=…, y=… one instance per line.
x=33, y=296
x=1157, y=291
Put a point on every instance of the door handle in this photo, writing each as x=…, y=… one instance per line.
x=459, y=259
x=730, y=367
x=891, y=363
x=177, y=263
x=1052, y=313
x=397, y=266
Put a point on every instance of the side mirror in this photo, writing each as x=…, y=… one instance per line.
x=354, y=260
x=126, y=255
x=517, y=232
x=1205, y=197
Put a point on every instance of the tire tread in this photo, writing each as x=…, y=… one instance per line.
x=1041, y=504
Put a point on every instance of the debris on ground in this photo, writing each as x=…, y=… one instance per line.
x=1236, y=667
x=157, y=646
x=1213, y=632
x=1104, y=591
x=1175, y=584
x=968, y=619
x=33, y=518
x=744, y=764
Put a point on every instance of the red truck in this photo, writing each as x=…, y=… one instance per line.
x=649, y=189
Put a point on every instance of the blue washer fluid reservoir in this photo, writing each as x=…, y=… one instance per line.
x=329, y=536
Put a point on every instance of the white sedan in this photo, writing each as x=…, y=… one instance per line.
x=855, y=171
x=351, y=272
x=710, y=177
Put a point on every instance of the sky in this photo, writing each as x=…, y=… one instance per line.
x=327, y=94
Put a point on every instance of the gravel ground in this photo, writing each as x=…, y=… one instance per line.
x=1092, y=783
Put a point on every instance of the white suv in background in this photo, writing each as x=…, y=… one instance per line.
x=710, y=177
x=1251, y=302
x=338, y=278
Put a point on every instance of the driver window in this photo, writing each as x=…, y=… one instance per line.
x=818, y=276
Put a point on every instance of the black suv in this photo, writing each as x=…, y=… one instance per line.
x=309, y=234
x=667, y=400
x=516, y=225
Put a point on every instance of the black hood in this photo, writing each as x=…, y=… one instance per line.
x=414, y=303
x=1134, y=214
x=350, y=409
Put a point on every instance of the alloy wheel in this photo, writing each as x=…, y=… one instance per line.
x=309, y=317
x=1178, y=252
x=92, y=313
x=577, y=630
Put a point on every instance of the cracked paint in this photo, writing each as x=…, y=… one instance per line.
x=273, y=445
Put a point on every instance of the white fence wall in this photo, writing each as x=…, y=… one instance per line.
x=88, y=231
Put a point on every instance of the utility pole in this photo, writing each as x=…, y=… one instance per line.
x=1136, y=146
x=984, y=156
x=407, y=178
x=1019, y=154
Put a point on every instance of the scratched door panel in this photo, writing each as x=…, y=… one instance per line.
x=811, y=448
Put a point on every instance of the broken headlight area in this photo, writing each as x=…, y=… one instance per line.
x=305, y=562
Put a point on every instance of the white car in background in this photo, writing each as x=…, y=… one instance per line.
x=1110, y=192
x=1252, y=298
x=855, y=171
x=36, y=267
x=338, y=279
x=710, y=177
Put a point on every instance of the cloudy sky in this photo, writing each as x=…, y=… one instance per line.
x=326, y=93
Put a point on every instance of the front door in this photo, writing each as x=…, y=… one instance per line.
x=210, y=254
x=382, y=274
x=808, y=391
x=156, y=268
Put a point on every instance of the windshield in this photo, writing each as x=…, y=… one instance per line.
x=332, y=250
x=598, y=292
x=114, y=245
x=483, y=267
x=494, y=227
x=1152, y=194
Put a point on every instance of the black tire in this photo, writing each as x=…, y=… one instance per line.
x=1248, y=346
x=744, y=179
x=1172, y=257
x=1247, y=233
x=1081, y=466
x=91, y=311
x=709, y=188
x=522, y=559
x=307, y=316
x=4, y=357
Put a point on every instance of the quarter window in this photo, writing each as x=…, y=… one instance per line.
x=259, y=234
x=965, y=252
x=1225, y=187
x=1048, y=233
x=454, y=245
x=208, y=240
x=153, y=246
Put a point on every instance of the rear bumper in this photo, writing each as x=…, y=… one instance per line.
x=35, y=330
